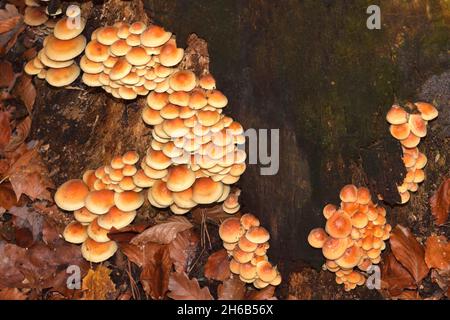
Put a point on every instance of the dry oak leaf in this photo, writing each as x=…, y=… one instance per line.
x=164, y=232
x=12, y=294
x=231, y=289
x=28, y=175
x=440, y=203
x=217, y=266
x=183, y=288
x=409, y=252
x=394, y=277
x=437, y=253
x=182, y=250
x=97, y=285
x=156, y=272
x=25, y=91
x=5, y=129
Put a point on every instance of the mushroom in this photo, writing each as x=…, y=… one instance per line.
x=94, y=251
x=75, y=232
x=71, y=195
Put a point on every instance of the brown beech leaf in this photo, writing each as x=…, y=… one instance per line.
x=6, y=70
x=9, y=18
x=217, y=266
x=164, y=232
x=156, y=272
x=127, y=233
x=264, y=294
x=437, y=253
x=182, y=250
x=28, y=175
x=27, y=218
x=231, y=289
x=25, y=91
x=440, y=203
x=394, y=277
x=12, y=294
x=7, y=196
x=19, y=135
x=97, y=285
x=183, y=288
x=409, y=252
x=5, y=129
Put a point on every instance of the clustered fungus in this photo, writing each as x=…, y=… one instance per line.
x=194, y=155
x=55, y=62
x=130, y=60
x=409, y=128
x=247, y=242
x=105, y=198
x=37, y=13
x=354, y=236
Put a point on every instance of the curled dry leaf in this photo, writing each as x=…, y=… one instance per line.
x=164, y=232
x=29, y=219
x=25, y=91
x=409, y=252
x=5, y=129
x=231, y=289
x=12, y=294
x=182, y=250
x=97, y=285
x=217, y=266
x=11, y=24
x=7, y=196
x=19, y=135
x=437, y=253
x=183, y=288
x=264, y=294
x=440, y=203
x=126, y=234
x=28, y=175
x=7, y=78
x=394, y=277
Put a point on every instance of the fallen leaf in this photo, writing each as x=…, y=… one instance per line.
x=52, y=213
x=156, y=272
x=7, y=196
x=231, y=289
x=12, y=294
x=5, y=129
x=440, y=202
x=28, y=175
x=25, y=91
x=437, y=253
x=29, y=54
x=217, y=266
x=164, y=232
x=97, y=285
x=182, y=250
x=24, y=238
x=126, y=234
x=19, y=135
x=183, y=288
x=394, y=277
x=27, y=218
x=408, y=295
x=9, y=17
x=6, y=70
x=214, y=215
x=263, y=294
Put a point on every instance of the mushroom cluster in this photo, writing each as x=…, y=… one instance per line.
x=354, y=236
x=409, y=128
x=130, y=60
x=55, y=62
x=247, y=242
x=194, y=152
x=100, y=202
x=37, y=13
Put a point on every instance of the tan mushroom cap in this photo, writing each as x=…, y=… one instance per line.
x=197, y=99
x=137, y=56
x=91, y=80
x=107, y=35
x=266, y=272
x=66, y=28
x=128, y=200
x=46, y=61
x=120, y=69
x=349, y=193
x=234, y=266
x=97, y=52
x=127, y=93
x=363, y=196
x=418, y=125
x=339, y=225
x=242, y=256
x=31, y=69
x=90, y=66
x=421, y=161
x=247, y=271
x=317, y=237
x=175, y=128
x=97, y=233
x=206, y=190
x=83, y=215
x=94, y=251
x=154, y=36
x=257, y=235
x=156, y=100
x=351, y=257
x=170, y=55
x=399, y=131
x=334, y=248
x=130, y=157
x=246, y=245
x=217, y=99
x=183, y=80
x=62, y=50
x=411, y=141
x=100, y=201
x=207, y=82
x=157, y=160
x=62, y=76
x=231, y=230
x=71, y=195
x=208, y=117
x=427, y=110
x=248, y=220
x=396, y=115
x=183, y=199
x=359, y=220
x=116, y=218
x=120, y=48
x=137, y=27
x=180, y=178
x=329, y=210
x=161, y=194
x=35, y=16
x=75, y=232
